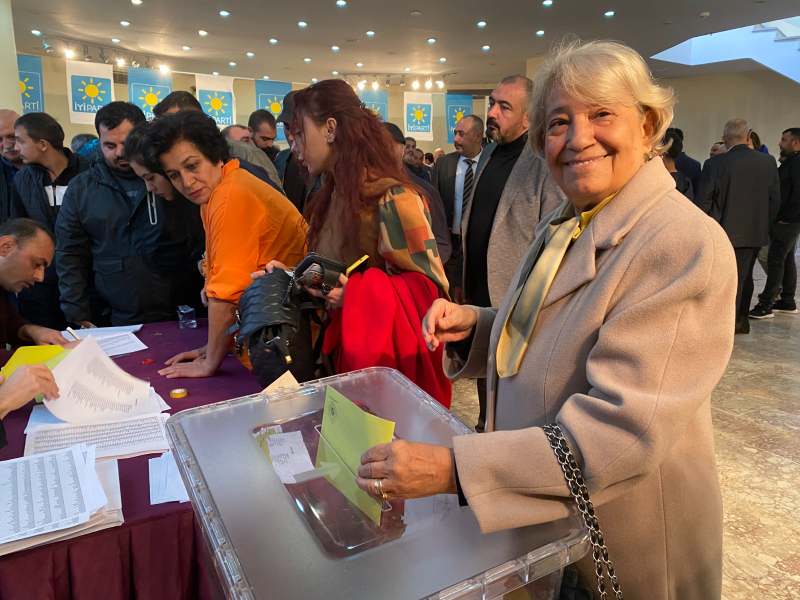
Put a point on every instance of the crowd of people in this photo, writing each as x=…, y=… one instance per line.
x=568, y=255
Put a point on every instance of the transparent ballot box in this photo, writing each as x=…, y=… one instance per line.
x=316, y=535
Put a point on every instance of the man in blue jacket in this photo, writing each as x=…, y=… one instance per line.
x=136, y=245
x=37, y=194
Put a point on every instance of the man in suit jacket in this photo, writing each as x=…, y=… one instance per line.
x=685, y=164
x=453, y=183
x=740, y=189
x=513, y=190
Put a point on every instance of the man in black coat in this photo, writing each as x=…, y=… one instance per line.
x=451, y=180
x=685, y=164
x=740, y=190
x=37, y=194
x=781, y=265
x=136, y=244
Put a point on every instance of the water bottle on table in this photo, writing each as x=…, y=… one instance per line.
x=186, y=317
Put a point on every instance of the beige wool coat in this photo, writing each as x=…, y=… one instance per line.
x=633, y=336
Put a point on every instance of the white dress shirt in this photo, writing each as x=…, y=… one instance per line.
x=460, y=170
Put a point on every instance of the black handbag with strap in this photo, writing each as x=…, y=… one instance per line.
x=274, y=319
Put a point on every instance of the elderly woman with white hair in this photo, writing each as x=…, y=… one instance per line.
x=616, y=328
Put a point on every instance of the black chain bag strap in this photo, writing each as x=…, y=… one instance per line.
x=577, y=487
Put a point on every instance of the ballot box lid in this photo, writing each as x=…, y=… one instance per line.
x=271, y=539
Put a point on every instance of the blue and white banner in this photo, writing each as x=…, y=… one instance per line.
x=147, y=87
x=215, y=93
x=418, y=116
x=456, y=107
x=377, y=101
x=30, y=83
x=269, y=96
x=90, y=86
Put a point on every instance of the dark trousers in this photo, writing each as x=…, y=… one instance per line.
x=782, y=269
x=745, y=261
x=481, y=384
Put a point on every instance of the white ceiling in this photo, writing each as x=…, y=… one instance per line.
x=161, y=28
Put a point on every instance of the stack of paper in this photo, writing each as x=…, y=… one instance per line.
x=114, y=341
x=56, y=495
x=166, y=484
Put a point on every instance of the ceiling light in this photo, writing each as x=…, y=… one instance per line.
x=69, y=53
x=306, y=60
x=115, y=40
x=341, y=3
x=163, y=68
x=273, y=41
x=36, y=32
x=407, y=69
x=48, y=48
x=250, y=55
x=361, y=85
x=431, y=40
x=265, y=77
x=136, y=2
x=415, y=13
x=203, y=32
x=233, y=64
x=375, y=82
x=443, y=59
x=120, y=62
x=547, y=3
x=334, y=72
x=86, y=56
x=146, y=62
x=428, y=84
x=224, y=13
x=302, y=24
x=359, y=64
x=370, y=33
x=486, y=47
x=540, y=32
x=124, y=23
x=481, y=23
x=415, y=83
x=439, y=84
x=215, y=73
x=134, y=63
x=335, y=48
x=313, y=80
x=388, y=81
x=104, y=57
x=609, y=13
x=187, y=48
x=403, y=81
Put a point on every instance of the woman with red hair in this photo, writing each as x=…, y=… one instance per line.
x=368, y=206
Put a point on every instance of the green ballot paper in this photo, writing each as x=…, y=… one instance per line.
x=347, y=432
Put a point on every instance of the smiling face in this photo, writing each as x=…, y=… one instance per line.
x=155, y=182
x=22, y=266
x=593, y=151
x=112, y=143
x=192, y=174
x=311, y=148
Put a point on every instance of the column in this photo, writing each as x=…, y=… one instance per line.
x=9, y=74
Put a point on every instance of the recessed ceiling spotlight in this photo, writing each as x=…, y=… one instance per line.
x=306, y=60
x=187, y=48
x=233, y=64
x=136, y=2
x=334, y=72
x=115, y=40
x=407, y=69
x=609, y=13
x=443, y=59
x=359, y=64
x=335, y=48
x=124, y=23
x=250, y=55
x=431, y=40
x=265, y=77
x=215, y=73
x=540, y=32
x=370, y=33
x=36, y=32
x=224, y=13
x=548, y=3
x=341, y=3
x=273, y=41
x=486, y=47
x=415, y=13
x=203, y=32
x=313, y=80
x=302, y=24
x=481, y=23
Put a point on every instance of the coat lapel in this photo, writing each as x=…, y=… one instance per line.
x=467, y=208
x=515, y=181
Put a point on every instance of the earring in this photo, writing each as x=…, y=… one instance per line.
x=330, y=139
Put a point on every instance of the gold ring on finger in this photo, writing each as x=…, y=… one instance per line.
x=376, y=487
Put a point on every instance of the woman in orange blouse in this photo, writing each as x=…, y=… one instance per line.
x=247, y=223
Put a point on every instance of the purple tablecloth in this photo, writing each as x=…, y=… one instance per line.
x=157, y=553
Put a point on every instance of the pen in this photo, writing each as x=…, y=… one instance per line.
x=75, y=335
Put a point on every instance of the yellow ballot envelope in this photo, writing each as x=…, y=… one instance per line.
x=346, y=433
x=34, y=355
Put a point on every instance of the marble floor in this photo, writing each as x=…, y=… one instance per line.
x=756, y=414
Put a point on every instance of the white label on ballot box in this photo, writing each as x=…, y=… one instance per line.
x=289, y=456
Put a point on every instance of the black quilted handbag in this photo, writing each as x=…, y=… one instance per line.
x=274, y=319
